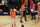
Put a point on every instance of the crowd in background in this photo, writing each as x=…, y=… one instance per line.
x=18, y=3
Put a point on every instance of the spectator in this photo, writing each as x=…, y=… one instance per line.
x=20, y=1
x=18, y=8
x=1, y=11
x=17, y=3
x=11, y=3
x=0, y=1
x=35, y=1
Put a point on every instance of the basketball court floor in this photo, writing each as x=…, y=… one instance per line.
x=5, y=21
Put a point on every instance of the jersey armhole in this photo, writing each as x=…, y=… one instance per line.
x=14, y=9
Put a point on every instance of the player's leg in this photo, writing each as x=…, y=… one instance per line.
x=21, y=16
x=12, y=21
x=24, y=15
x=38, y=15
x=32, y=15
x=25, y=18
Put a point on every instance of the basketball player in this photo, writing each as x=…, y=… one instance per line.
x=23, y=12
x=32, y=12
x=38, y=4
x=13, y=15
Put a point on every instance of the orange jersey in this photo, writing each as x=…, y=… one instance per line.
x=33, y=7
x=13, y=14
x=38, y=8
x=22, y=8
x=30, y=3
x=25, y=1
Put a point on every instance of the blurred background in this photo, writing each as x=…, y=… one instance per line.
x=6, y=5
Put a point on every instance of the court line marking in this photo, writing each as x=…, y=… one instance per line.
x=10, y=22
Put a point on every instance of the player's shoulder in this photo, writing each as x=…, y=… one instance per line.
x=15, y=9
x=10, y=9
